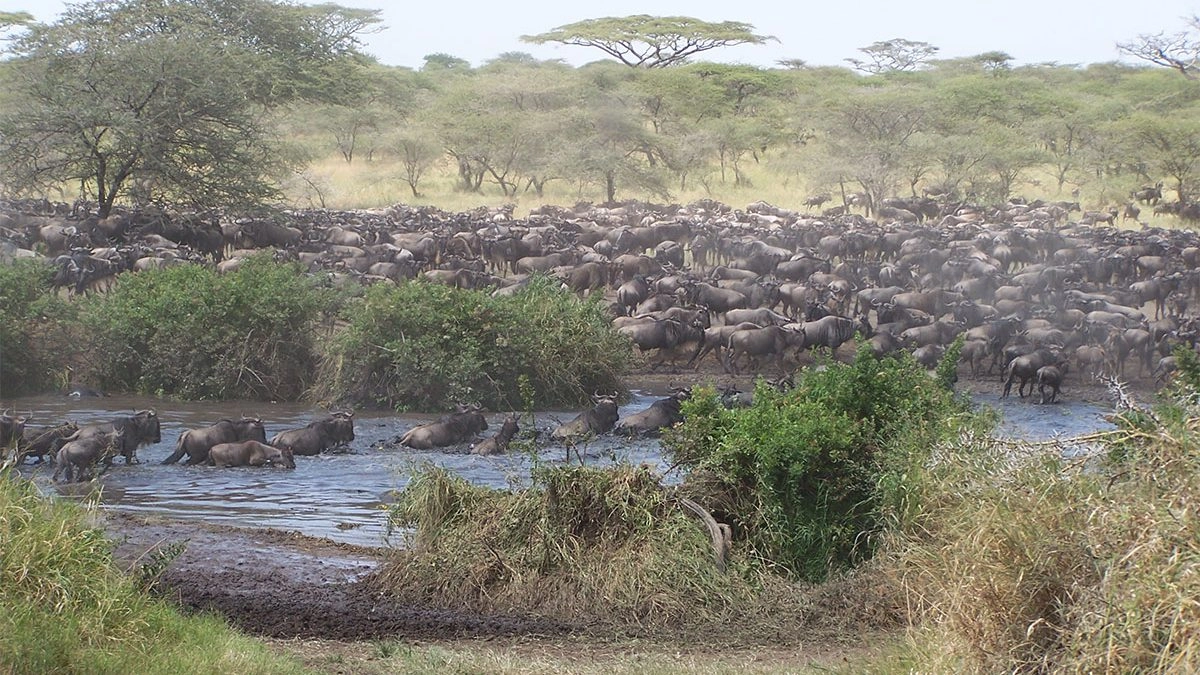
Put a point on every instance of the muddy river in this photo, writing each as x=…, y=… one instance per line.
x=343, y=496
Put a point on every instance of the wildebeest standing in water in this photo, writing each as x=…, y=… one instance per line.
x=335, y=430
x=596, y=420
x=457, y=427
x=195, y=443
x=141, y=428
x=498, y=444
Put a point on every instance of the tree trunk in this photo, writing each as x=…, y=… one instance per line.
x=610, y=186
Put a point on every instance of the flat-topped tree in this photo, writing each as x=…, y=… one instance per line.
x=646, y=41
x=10, y=19
x=895, y=55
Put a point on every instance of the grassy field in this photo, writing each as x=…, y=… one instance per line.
x=331, y=182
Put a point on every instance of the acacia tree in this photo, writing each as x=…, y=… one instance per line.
x=168, y=96
x=1178, y=51
x=651, y=41
x=893, y=55
x=1170, y=147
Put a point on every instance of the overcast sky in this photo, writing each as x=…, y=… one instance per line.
x=824, y=33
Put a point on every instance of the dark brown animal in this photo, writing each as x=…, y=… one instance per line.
x=598, y=419
x=498, y=443
x=457, y=427
x=195, y=443
x=250, y=453
x=318, y=436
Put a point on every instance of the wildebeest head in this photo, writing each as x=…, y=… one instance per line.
x=250, y=429
x=11, y=428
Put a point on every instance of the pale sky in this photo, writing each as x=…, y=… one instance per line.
x=825, y=33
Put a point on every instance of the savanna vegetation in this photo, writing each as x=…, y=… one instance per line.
x=65, y=607
x=808, y=480
x=324, y=124
x=867, y=476
x=999, y=556
x=266, y=331
x=425, y=346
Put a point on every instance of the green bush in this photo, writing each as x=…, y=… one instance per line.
x=191, y=332
x=808, y=478
x=33, y=340
x=422, y=346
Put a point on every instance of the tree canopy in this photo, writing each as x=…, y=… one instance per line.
x=166, y=99
x=651, y=41
x=893, y=55
x=1179, y=51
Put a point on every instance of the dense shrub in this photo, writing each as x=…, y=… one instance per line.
x=808, y=478
x=192, y=332
x=424, y=346
x=33, y=339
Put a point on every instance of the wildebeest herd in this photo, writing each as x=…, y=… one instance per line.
x=77, y=450
x=1038, y=294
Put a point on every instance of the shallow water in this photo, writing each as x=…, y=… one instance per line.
x=343, y=496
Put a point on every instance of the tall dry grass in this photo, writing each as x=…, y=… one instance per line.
x=330, y=182
x=1025, y=562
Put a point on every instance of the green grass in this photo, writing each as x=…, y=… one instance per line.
x=64, y=607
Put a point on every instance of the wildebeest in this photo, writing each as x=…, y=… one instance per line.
x=829, y=332
x=497, y=444
x=662, y=413
x=457, y=427
x=771, y=341
x=250, y=453
x=141, y=428
x=1025, y=368
x=319, y=436
x=195, y=443
x=44, y=442
x=12, y=430
x=1051, y=376
x=596, y=420
x=86, y=452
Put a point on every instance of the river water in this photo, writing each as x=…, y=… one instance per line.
x=343, y=496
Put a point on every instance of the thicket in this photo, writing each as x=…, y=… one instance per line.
x=191, y=332
x=426, y=347
x=65, y=607
x=810, y=478
x=32, y=321
x=267, y=331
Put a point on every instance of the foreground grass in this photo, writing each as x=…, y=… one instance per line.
x=589, y=657
x=64, y=606
x=1026, y=562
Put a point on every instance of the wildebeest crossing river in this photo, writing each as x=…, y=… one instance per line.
x=341, y=496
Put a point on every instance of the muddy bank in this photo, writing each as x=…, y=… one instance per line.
x=285, y=585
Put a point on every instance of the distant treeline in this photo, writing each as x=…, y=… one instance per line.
x=971, y=128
